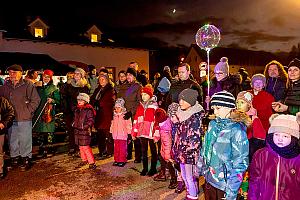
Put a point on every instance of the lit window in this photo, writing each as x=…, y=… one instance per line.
x=94, y=38
x=38, y=32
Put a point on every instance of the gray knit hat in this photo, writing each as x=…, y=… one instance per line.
x=83, y=96
x=188, y=95
x=222, y=66
x=223, y=98
x=256, y=77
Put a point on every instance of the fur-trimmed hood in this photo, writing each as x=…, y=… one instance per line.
x=239, y=116
x=186, y=114
x=81, y=83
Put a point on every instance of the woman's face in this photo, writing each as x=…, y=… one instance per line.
x=242, y=105
x=103, y=81
x=282, y=139
x=122, y=77
x=77, y=76
x=258, y=85
x=294, y=73
x=273, y=71
x=220, y=75
x=222, y=112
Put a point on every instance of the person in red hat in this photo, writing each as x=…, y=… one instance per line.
x=143, y=127
x=43, y=120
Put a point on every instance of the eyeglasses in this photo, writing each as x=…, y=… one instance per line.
x=219, y=73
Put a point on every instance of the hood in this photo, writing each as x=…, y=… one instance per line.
x=238, y=116
x=185, y=114
x=81, y=83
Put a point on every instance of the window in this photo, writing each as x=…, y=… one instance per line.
x=94, y=38
x=38, y=32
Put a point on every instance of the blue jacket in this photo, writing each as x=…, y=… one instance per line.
x=224, y=155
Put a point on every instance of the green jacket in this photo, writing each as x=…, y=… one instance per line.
x=46, y=91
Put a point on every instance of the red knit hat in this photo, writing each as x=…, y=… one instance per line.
x=148, y=90
x=160, y=115
x=48, y=72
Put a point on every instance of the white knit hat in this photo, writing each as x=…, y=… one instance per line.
x=83, y=96
x=222, y=66
x=285, y=123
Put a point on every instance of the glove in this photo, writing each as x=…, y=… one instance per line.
x=127, y=115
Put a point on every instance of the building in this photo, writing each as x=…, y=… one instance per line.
x=74, y=46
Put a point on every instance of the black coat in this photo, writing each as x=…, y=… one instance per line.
x=7, y=114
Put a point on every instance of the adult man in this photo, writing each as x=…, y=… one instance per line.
x=183, y=83
x=24, y=97
x=276, y=79
x=140, y=76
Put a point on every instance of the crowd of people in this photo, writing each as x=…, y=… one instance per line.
x=241, y=134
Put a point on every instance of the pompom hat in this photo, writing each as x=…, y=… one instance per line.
x=148, y=90
x=48, y=72
x=83, y=96
x=222, y=66
x=256, y=77
x=224, y=99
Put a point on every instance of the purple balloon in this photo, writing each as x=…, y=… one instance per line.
x=208, y=37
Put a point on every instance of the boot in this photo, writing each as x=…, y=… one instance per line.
x=173, y=184
x=189, y=197
x=15, y=161
x=161, y=176
x=144, y=172
x=26, y=164
x=92, y=166
x=180, y=187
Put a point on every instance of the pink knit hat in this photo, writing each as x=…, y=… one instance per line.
x=288, y=124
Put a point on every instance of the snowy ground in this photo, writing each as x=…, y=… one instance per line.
x=57, y=178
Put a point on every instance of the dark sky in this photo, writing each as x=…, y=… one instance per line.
x=271, y=25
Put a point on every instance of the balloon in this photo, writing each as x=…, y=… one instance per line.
x=208, y=37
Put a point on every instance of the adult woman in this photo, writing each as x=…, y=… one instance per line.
x=291, y=103
x=44, y=123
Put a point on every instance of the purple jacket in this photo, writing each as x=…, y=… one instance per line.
x=263, y=176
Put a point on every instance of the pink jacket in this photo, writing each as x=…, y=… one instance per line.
x=165, y=135
x=120, y=128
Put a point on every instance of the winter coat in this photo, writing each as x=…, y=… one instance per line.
x=7, y=114
x=180, y=85
x=262, y=102
x=143, y=122
x=264, y=176
x=224, y=155
x=276, y=87
x=120, y=128
x=188, y=132
x=93, y=82
x=23, y=97
x=131, y=93
x=46, y=91
x=256, y=130
x=231, y=83
x=165, y=136
x=83, y=123
x=103, y=101
x=292, y=99
x=69, y=95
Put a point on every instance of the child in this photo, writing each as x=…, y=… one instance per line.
x=187, y=141
x=143, y=127
x=164, y=139
x=256, y=133
x=225, y=149
x=120, y=128
x=275, y=169
x=84, y=116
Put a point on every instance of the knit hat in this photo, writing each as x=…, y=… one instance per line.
x=131, y=71
x=104, y=76
x=167, y=68
x=246, y=96
x=15, y=67
x=172, y=109
x=224, y=99
x=188, y=95
x=81, y=71
x=256, y=77
x=83, y=96
x=48, y=72
x=285, y=123
x=91, y=67
x=295, y=62
x=148, y=90
x=222, y=66
x=160, y=115
x=120, y=102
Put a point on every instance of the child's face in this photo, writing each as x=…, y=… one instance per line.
x=282, y=139
x=174, y=119
x=81, y=102
x=184, y=105
x=118, y=109
x=242, y=105
x=145, y=97
x=222, y=112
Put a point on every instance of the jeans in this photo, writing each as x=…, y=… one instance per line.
x=20, y=139
x=187, y=173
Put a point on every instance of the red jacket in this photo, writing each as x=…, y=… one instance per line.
x=264, y=173
x=256, y=130
x=143, y=123
x=262, y=102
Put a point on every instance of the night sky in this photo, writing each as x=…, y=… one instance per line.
x=270, y=25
